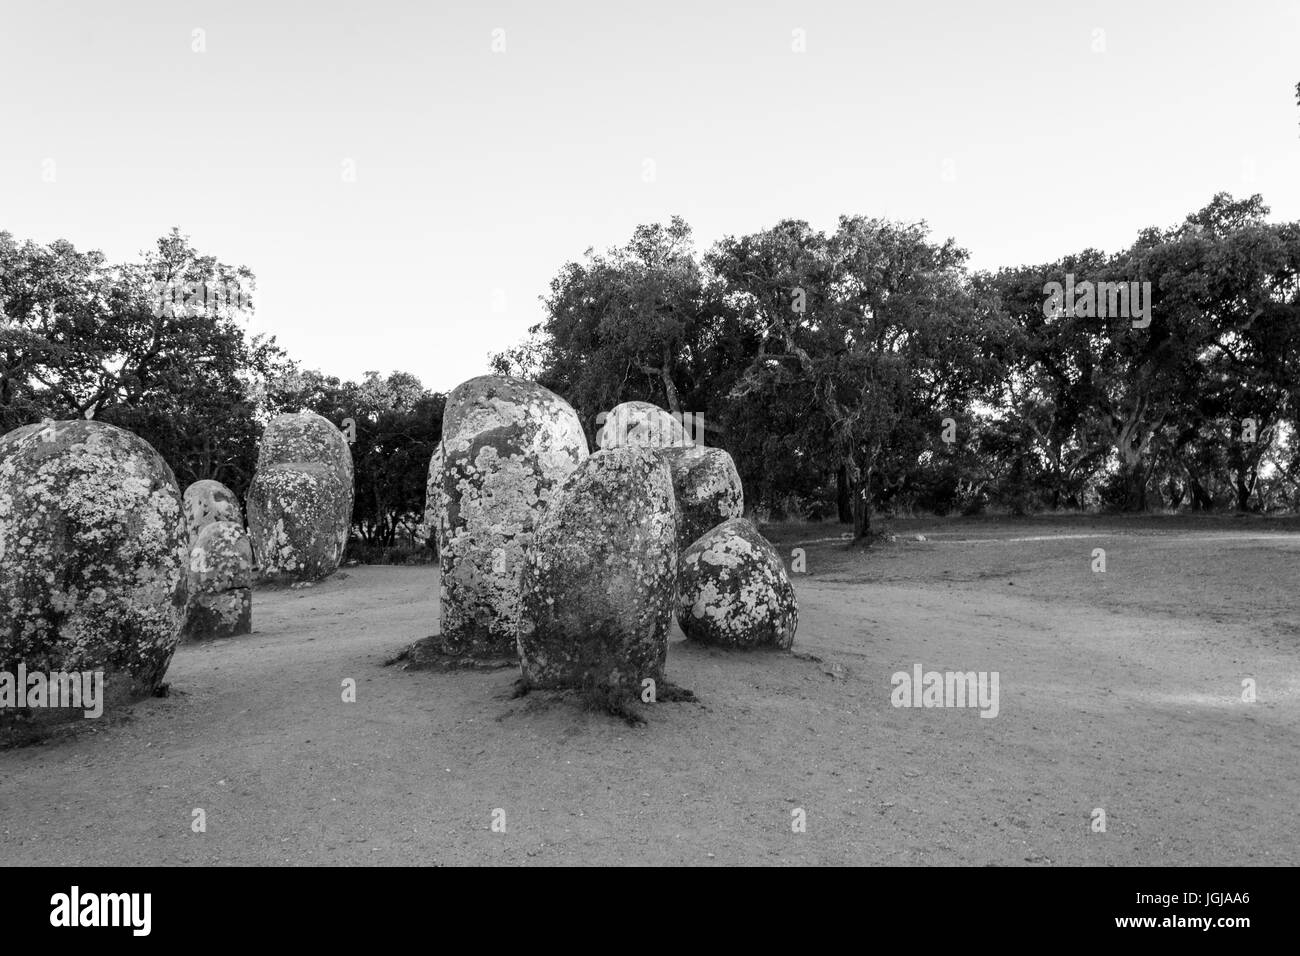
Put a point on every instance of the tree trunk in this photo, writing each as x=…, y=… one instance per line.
x=1057, y=474
x=670, y=390
x=1244, y=490
x=1176, y=494
x=844, y=495
x=862, y=510
x=1134, y=480
x=1132, y=436
x=1201, y=501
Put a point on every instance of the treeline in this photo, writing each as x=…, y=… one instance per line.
x=869, y=369
x=160, y=347
x=863, y=370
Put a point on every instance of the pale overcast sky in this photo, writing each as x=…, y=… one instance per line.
x=1024, y=129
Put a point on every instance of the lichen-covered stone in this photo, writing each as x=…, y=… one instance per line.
x=707, y=487
x=305, y=438
x=10, y=440
x=598, y=579
x=642, y=425
x=220, y=614
x=430, y=528
x=93, y=551
x=221, y=559
x=300, y=500
x=221, y=580
x=732, y=590
x=507, y=445
x=298, y=519
x=207, y=501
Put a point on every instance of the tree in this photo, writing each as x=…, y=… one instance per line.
x=631, y=323
x=155, y=346
x=397, y=425
x=874, y=333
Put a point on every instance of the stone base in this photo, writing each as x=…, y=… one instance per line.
x=439, y=653
x=224, y=614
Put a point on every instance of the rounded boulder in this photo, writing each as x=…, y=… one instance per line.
x=300, y=500
x=207, y=501
x=299, y=438
x=641, y=425
x=598, y=580
x=733, y=591
x=298, y=519
x=93, y=550
x=708, y=489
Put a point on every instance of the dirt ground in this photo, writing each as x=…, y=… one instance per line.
x=1118, y=690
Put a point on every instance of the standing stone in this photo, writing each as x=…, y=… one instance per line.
x=300, y=499
x=305, y=437
x=221, y=582
x=707, y=487
x=642, y=425
x=431, y=527
x=298, y=517
x=92, y=556
x=732, y=590
x=507, y=444
x=207, y=501
x=598, y=581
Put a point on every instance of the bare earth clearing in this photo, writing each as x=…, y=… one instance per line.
x=1119, y=690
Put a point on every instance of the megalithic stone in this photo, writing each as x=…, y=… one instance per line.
x=221, y=582
x=431, y=527
x=300, y=500
x=732, y=590
x=93, y=551
x=599, y=580
x=207, y=501
x=507, y=444
x=708, y=489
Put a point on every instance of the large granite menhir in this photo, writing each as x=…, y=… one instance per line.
x=507, y=444
x=300, y=499
x=598, y=583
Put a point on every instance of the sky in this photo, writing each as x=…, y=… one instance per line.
x=405, y=178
